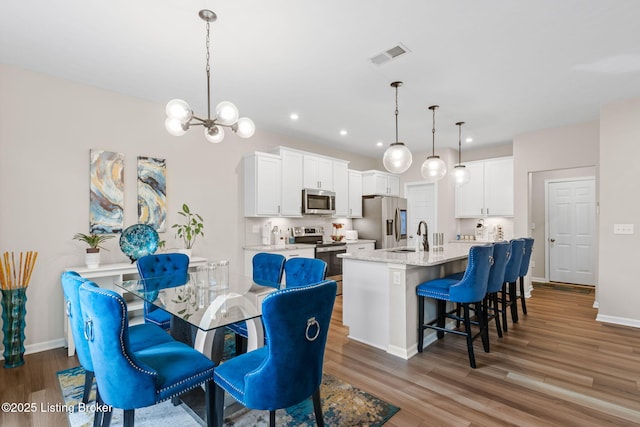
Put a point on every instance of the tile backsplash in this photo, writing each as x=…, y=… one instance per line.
x=253, y=226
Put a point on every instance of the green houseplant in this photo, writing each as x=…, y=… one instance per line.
x=94, y=241
x=192, y=227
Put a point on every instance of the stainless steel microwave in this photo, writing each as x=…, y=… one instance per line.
x=318, y=202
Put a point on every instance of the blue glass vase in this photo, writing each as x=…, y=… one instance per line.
x=14, y=310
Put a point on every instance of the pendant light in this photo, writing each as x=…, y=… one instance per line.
x=180, y=117
x=433, y=169
x=397, y=158
x=460, y=174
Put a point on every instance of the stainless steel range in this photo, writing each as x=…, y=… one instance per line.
x=325, y=250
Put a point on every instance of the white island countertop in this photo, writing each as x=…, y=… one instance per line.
x=409, y=256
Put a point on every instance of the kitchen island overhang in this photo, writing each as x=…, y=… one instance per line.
x=380, y=305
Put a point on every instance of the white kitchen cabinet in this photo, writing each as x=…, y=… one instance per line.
x=341, y=188
x=489, y=191
x=360, y=247
x=355, y=194
x=317, y=172
x=291, y=183
x=262, y=184
x=299, y=251
x=380, y=183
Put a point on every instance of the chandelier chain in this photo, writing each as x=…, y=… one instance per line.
x=208, y=76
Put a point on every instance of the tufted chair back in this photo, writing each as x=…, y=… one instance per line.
x=296, y=322
x=268, y=269
x=501, y=256
x=304, y=271
x=473, y=286
x=513, y=266
x=526, y=258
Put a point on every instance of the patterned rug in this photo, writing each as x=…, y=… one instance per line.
x=342, y=405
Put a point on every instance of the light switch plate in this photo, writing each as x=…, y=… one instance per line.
x=622, y=228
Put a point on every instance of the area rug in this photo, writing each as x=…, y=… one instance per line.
x=342, y=404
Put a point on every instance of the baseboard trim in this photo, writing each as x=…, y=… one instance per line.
x=42, y=346
x=618, y=320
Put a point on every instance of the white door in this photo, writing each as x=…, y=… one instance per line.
x=421, y=206
x=571, y=223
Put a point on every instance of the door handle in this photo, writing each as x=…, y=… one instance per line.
x=552, y=240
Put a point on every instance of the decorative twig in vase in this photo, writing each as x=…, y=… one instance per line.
x=14, y=282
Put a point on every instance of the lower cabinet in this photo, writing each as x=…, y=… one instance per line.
x=360, y=247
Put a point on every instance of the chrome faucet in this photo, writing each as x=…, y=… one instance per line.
x=425, y=236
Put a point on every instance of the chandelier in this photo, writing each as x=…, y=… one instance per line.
x=460, y=174
x=180, y=116
x=434, y=168
x=397, y=158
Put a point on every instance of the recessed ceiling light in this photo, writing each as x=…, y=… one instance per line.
x=294, y=116
x=343, y=132
x=468, y=140
x=379, y=144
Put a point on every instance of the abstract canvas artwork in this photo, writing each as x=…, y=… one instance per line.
x=152, y=192
x=106, y=205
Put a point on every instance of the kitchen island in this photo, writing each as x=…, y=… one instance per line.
x=380, y=305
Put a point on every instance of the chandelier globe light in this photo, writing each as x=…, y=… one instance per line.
x=397, y=158
x=180, y=116
x=433, y=169
x=460, y=174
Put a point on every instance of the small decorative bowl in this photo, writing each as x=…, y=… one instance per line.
x=336, y=238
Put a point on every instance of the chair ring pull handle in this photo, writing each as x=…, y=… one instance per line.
x=68, y=306
x=88, y=330
x=490, y=260
x=311, y=323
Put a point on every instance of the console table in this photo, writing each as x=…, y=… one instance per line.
x=105, y=276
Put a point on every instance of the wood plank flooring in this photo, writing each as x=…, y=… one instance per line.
x=556, y=366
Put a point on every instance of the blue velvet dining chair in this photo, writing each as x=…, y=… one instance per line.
x=469, y=292
x=524, y=270
x=302, y=271
x=267, y=271
x=289, y=369
x=141, y=336
x=130, y=380
x=174, y=270
x=501, y=255
x=508, y=297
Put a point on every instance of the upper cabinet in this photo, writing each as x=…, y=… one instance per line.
x=341, y=187
x=318, y=172
x=355, y=194
x=291, y=182
x=378, y=183
x=489, y=191
x=262, y=184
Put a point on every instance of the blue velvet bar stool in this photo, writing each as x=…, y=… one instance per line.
x=524, y=270
x=267, y=271
x=130, y=380
x=140, y=336
x=469, y=292
x=289, y=369
x=511, y=273
x=302, y=271
x=172, y=267
x=501, y=255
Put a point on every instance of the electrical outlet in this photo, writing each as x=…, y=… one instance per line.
x=397, y=278
x=622, y=228
x=533, y=264
x=255, y=228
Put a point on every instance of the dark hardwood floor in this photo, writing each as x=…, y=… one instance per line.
x=556, y=366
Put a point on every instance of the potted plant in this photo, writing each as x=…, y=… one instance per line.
x=92, y=259
x=190, y=229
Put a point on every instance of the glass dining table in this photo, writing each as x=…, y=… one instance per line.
x=207, y=308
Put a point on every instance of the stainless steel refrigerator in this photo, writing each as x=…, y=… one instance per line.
x=383, y=219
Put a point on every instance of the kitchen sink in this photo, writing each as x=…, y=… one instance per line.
x=403, y=250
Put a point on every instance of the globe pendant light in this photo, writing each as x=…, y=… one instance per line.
x=180, y=117
x=397, y=158
x=460, y=174
x=433, y=169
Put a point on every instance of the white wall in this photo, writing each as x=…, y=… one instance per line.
x=48, y=126
x=619, y=203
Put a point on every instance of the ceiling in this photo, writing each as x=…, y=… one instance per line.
x=504, y=67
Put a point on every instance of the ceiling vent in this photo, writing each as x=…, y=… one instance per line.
x=389, y=54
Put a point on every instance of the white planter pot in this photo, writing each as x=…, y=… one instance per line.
x=187, y=252
x=92, y=259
